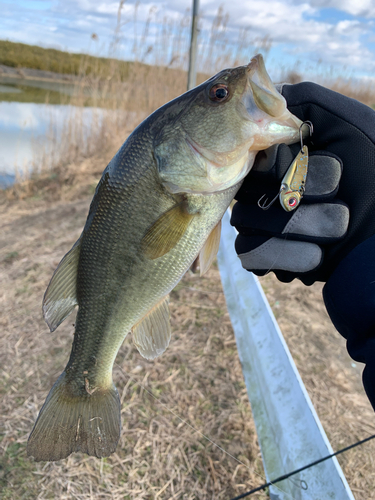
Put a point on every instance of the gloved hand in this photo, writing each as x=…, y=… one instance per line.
x=344, y=133
x=330, y=236
x=289, y=243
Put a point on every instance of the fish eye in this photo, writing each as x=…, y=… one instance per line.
x=219, y=92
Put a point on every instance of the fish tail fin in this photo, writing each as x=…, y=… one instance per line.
x=87, y=420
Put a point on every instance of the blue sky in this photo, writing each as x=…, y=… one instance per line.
x=327, y=36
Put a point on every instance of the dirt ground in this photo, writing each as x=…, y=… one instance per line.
x=195, y=389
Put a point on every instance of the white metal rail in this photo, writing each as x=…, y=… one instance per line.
x=289, y=431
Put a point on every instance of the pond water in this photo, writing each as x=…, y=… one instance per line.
x=26, y=121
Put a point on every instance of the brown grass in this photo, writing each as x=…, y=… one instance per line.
x=198, y=379
x=360, y=89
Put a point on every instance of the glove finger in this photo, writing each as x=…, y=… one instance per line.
x=323, y=177
x=278, y=254
x=320, y=223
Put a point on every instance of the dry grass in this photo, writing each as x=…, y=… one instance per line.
x=199, y=379
x=360, y=89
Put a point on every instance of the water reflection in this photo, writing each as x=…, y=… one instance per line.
x=26, y=128
x=39, y=91
x=8, y=89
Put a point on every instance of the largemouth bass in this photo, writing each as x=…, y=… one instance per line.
x=156, y=208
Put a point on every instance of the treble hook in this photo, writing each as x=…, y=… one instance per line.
x=266, y=207
x=311, y=128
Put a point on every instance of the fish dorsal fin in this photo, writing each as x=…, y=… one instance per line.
x=209, y=249
x=61, y=294
x=166, y=231
x=151, y=335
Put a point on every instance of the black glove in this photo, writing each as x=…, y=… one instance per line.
x=289, y=243
x=315, y=242
x=344, y=130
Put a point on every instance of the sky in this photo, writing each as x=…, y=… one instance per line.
x=329, y=36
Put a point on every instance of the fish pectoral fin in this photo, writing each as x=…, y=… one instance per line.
x=166, y=231
x=151, y=335
x=61, y=294
x=209, y=249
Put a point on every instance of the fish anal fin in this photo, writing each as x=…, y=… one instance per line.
x=61, y=294
x=151, y=335
x=209, y=250
x=166, y=231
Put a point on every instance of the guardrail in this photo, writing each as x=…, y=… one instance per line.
x=289, y=430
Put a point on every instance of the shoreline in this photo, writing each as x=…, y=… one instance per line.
x=36, y=74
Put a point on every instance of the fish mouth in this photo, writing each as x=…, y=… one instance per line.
x=266, y=108
x=264, y=92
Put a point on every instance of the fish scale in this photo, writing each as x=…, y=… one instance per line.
x=156, y=208
x=128, y=284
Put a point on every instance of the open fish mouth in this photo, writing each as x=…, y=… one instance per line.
x=265, y=95
x=266, y=108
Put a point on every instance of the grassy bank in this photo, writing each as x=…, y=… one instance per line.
x=21, y=55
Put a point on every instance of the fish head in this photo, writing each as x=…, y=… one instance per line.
x=210, y=142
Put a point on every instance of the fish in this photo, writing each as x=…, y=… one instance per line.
x=157, y=208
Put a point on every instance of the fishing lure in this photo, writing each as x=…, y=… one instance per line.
x=293, y=184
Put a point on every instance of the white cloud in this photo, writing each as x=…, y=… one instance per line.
x=295, y=27
x=361, y=8
x=345, y=28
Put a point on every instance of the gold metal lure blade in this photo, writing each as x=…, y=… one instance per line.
x=293, y=183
